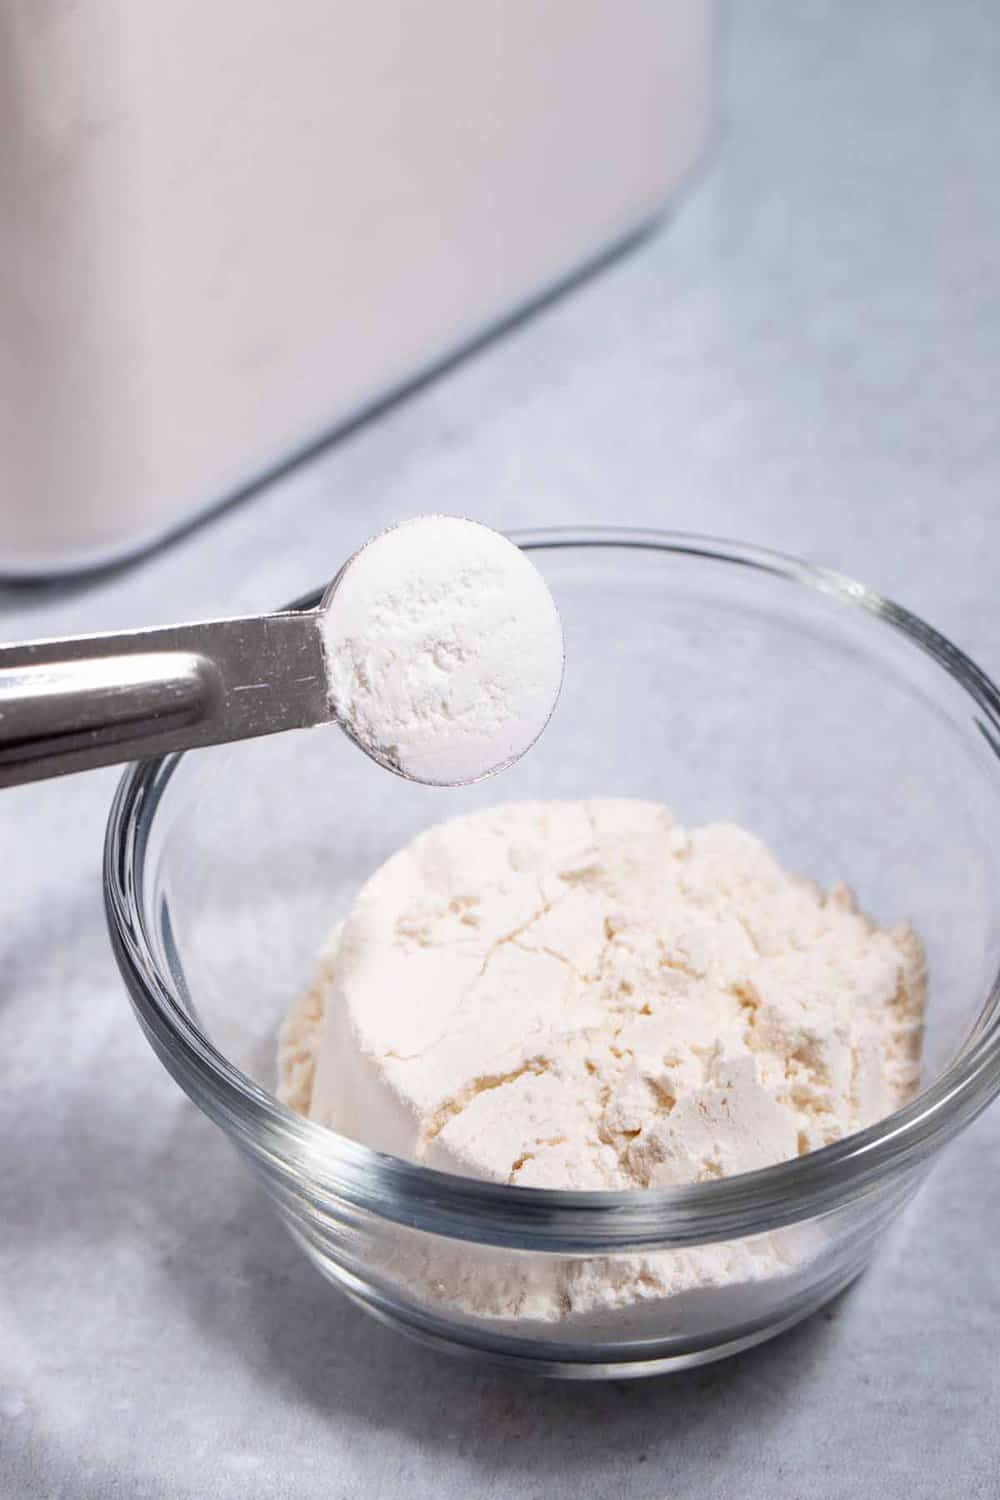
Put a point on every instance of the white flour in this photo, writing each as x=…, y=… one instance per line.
x=584, y=995
x=444, y=650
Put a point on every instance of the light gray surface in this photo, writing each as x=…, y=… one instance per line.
x=808, y=356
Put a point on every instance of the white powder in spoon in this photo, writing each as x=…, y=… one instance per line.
x=444, y=650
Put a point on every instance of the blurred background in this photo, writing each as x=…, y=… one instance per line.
x=802, y=352
x=766, y=242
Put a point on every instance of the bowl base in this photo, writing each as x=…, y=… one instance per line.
x=648, y=1360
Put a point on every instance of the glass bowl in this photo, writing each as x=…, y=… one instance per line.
x=728, y=682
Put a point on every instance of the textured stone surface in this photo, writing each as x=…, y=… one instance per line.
x=808, y=356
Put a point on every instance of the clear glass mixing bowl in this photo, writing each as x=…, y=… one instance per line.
x=727, y=682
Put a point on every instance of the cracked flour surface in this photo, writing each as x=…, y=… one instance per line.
x=586, y=995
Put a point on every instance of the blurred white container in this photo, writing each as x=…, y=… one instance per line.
x=226, y=229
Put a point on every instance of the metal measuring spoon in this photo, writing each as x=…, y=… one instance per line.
x=80, y=702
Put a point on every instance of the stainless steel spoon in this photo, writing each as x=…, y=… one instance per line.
x=86, y=701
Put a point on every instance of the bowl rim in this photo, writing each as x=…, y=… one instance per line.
x=345, y=1177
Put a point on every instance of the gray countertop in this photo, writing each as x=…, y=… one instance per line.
x=806, y=355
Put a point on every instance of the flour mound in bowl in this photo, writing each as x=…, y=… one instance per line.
x=587, y=995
